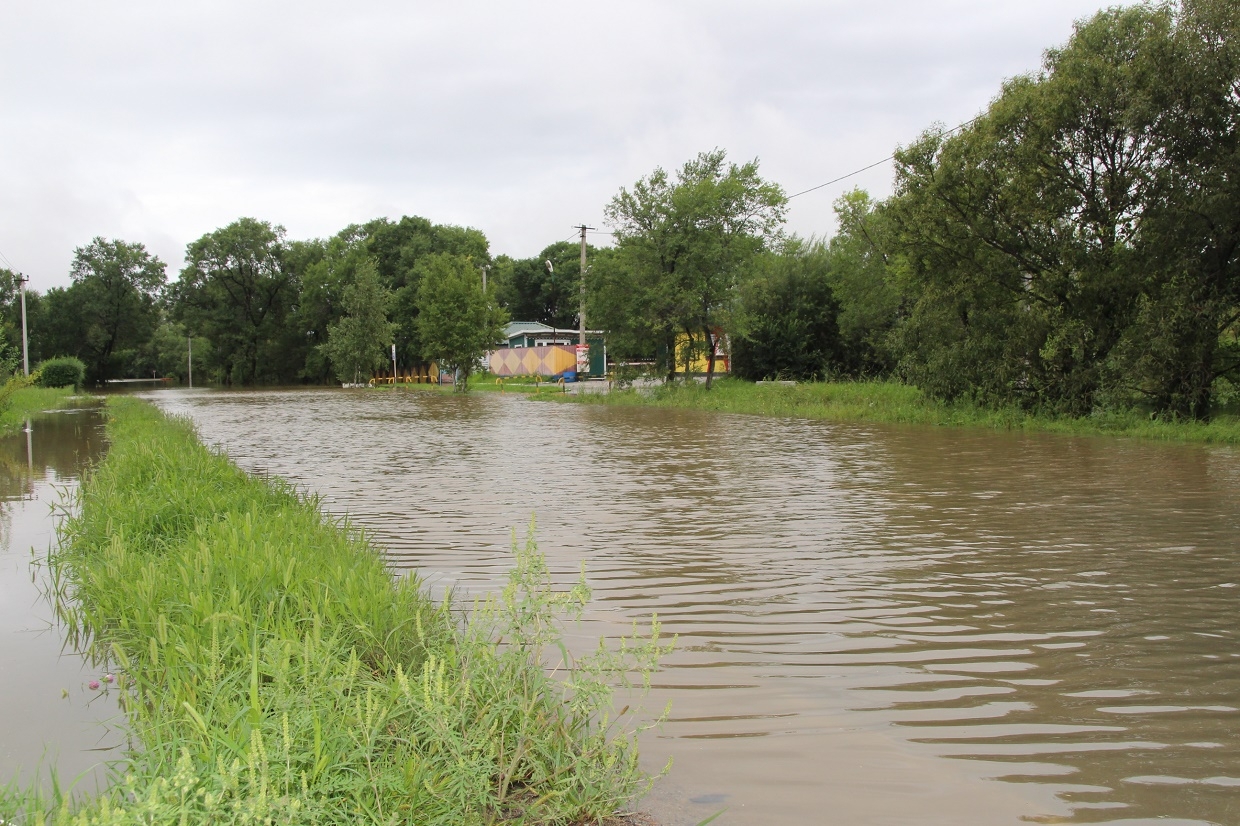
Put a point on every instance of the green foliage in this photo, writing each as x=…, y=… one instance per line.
x=357, y=343
x=533, y=292
x=20, y=400
x=864, y=278
x=399, y=248
x=107, y=314
x=786, y=318
x=236, y=289
x=1079, y=244
x=65, y=371
x=682, y=246
x=458, y=322
x=272, y=670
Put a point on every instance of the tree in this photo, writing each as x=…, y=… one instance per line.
x=458, y=322
x=235, y=290
x=684, y=243
x=1186, y=336
x=549, y=295
x=786, y=318
x=862, y=272
x=112, y=303
x=398, y=248
x=1021, y=231
x=357, y=343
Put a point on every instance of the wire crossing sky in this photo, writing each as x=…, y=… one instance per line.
x=158, y=122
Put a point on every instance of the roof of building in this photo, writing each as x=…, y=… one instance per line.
x=516, y=328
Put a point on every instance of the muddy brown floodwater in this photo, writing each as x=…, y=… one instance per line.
x=49, y=717
x=877, y=625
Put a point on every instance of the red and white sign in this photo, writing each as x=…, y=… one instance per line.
x=583, y=359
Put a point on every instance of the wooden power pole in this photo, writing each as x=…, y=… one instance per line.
x=581, y=312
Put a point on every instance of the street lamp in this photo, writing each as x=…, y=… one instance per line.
x=21, y=280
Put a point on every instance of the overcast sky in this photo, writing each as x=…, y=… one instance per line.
x=160, y=121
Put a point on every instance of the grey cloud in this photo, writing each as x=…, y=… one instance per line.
x=158, y=122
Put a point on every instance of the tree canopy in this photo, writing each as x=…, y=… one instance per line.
x=458, y=321
x=683, y=243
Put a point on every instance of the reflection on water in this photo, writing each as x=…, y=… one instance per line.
x=48, y=716
x=877, y=625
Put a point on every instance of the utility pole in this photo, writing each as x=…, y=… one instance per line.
x=21, y=279
x=581, y=313
x=191, y=362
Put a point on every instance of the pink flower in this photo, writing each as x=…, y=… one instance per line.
x=107, y=678
x=93, y=685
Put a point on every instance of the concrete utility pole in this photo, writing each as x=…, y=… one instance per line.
x=21, y=279
x=581, y=313
x=191, y=362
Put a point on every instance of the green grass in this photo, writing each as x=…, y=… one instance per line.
x=894, y=403
x=273, y=671
x=22, y=403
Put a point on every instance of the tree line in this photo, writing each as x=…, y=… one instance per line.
x=1074, y=248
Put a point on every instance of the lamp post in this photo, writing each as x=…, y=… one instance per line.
x=21, y=280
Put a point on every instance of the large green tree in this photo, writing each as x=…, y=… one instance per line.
x=863, y=269
x=111, y=309
x=1187, y=332
x=236, y=289
x=458, y=321
x=683, y=243
x=398, y=249
x=786, y=320
x=1022, y=230
x=358, y=342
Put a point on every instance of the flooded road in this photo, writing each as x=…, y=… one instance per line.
x=877, y=625
x=49, y=717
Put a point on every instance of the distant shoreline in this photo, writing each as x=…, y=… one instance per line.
x=885, y=402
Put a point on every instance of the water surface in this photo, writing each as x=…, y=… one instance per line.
x=49, y=718
x=877, y=625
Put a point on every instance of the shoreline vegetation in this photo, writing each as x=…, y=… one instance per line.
x=272, y=670
x=875, y=402
x=18, y=403
x=888, y=402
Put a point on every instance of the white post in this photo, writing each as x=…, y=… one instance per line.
x=393, y=365
x=21, y=279
x=191, y=362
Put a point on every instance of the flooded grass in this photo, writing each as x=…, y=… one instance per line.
x=272, y=669
x=26, y=402
x=894, y=403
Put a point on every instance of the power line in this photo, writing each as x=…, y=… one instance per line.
x=876, y=163
x=841, y=178
x=6, y=260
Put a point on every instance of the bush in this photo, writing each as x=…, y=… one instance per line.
x=65, y=371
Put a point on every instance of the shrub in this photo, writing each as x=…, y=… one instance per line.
x=64, y=371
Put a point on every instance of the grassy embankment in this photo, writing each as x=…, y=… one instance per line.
x=893, y=403
x=20, y=403
x=273, y=671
